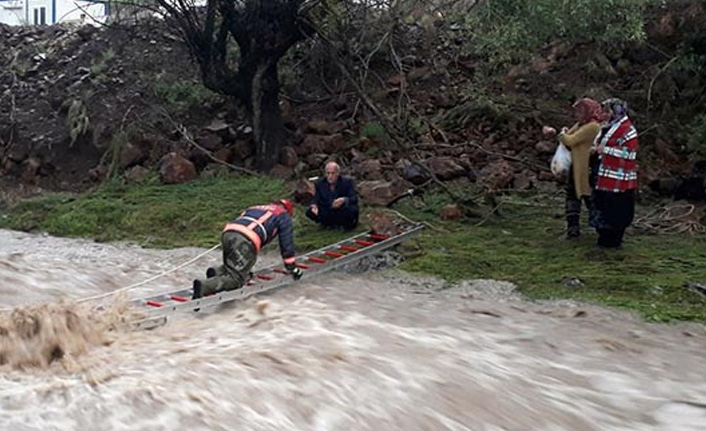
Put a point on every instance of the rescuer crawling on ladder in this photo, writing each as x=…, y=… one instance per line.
x=241, y=241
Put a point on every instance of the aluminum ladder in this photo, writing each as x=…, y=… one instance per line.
x=350, y=250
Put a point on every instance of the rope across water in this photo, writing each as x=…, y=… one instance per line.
x=132, y=286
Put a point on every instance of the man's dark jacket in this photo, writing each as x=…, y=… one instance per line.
x=344, y=189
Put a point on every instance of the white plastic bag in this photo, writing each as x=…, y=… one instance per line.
x=561, y=162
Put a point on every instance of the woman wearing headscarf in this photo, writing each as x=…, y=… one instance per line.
x=614, y=197
x=579, y=139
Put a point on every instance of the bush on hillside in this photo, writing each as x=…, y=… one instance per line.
x=509, y=30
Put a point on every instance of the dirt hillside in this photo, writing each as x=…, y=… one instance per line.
x=78, y=104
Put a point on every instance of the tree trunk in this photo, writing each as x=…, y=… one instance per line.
x=268, y=126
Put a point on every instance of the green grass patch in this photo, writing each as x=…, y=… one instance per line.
x=523, y=244
x=156, y=215
x=526, y=245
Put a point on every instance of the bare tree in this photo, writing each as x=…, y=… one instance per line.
x=263, y=31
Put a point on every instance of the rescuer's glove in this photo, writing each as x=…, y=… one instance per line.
x=294, y=271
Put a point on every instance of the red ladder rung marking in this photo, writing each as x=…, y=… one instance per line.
x=154, y=303
x=280, y=270
x=379, y=237
x=364, y=242
x=317, y=260
x=178, y=298
x=265, y=277
x=349, y=248
x=302, y=265
x=333, y=254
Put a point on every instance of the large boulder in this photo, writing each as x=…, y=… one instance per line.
x=175, y=169
x=497, y=175
x=369, y=169
x=376, y=192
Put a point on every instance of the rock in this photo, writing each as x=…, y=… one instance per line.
x=175, y=169
x=369, y=170
x=319, y=127
x=366, y=144
x=328, y=144
x=384, y=259
x=225, y=155
x=30, y=170
x=213, y=170
x=451, y=212
x=242, y=150
x=419, y=74
x=217, y=126
x=18, y=153
x=304, y=192
x=666, y=26
x=209, y=141
x=136, y=174
x=376, y=192
x=285, y=109
x=340, y=103
x=395, y=80
x=415, y=174
x=383, y=223
x=130, y=155
x=317, y=160
x=335, y=127
x=443, y=101
x=546, y=176
x=357, y=156
x=445, y=168
x=497, y=175
x=300, y=169
x=98, y=174
x=288, y=157
x=545, y=147
x=524, y=180
x=282, y=172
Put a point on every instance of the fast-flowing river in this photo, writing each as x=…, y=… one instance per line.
x=377, y=351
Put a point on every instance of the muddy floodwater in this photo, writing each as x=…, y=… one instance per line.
x=347, y=351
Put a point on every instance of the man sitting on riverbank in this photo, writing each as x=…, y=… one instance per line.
x=335, y=200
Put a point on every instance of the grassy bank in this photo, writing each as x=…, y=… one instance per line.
x=524, y=244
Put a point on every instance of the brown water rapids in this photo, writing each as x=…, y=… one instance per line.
x=377, y=351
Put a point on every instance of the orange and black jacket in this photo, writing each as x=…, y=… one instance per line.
x=261, y=223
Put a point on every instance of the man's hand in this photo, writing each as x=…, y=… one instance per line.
x=314, y=209
x=338, y=202
x=564, y=130
x=548, y=131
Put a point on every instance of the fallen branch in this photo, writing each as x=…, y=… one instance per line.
x=408, y=220
x=654, y=79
